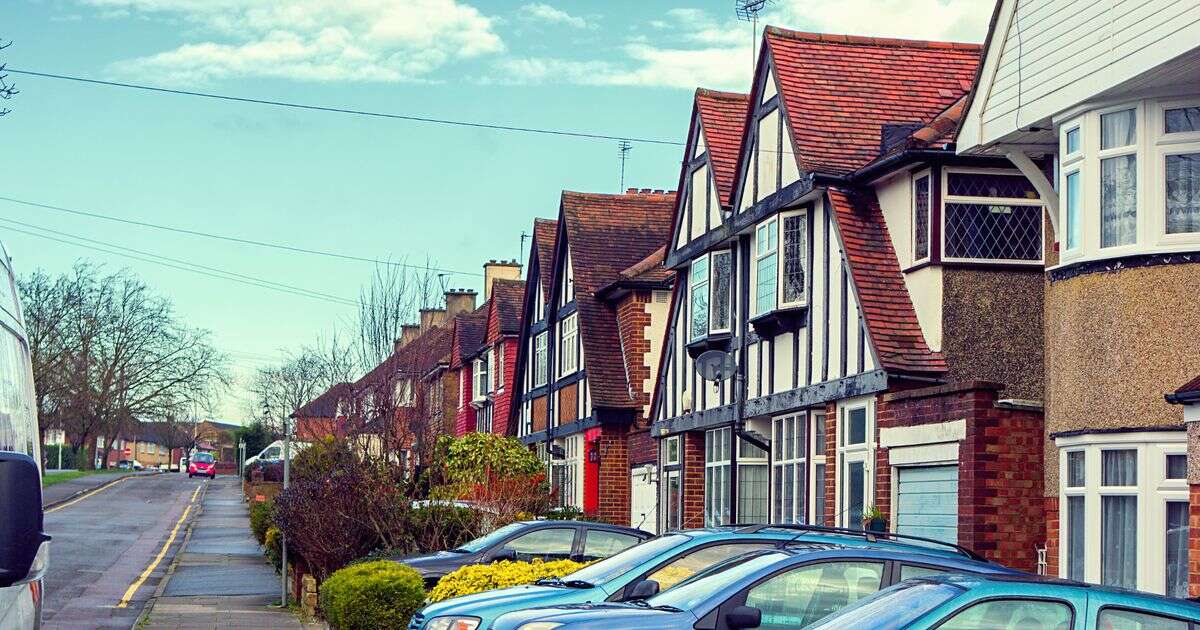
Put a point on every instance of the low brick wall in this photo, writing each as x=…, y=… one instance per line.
x=255, y=491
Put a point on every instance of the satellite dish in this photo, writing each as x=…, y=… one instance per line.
x=716, y=365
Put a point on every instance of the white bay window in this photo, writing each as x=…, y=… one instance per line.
x=1124, y=507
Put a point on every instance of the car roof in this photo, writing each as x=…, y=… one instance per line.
x=836, y=536
x=590, y=525
x=1049, y=586
x=805, y=551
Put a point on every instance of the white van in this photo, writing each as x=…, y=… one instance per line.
x=25, y=548
x=274, y=452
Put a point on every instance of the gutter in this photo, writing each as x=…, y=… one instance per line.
x=1183, y=398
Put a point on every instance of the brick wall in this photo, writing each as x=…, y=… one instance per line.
x=1052, y=523
x=831, y=464
x=464, y=421
x=693, y=479
x=1001, y=510
x=613, y=506
x=643, y=449
x=1194, y=541
x=632, y=322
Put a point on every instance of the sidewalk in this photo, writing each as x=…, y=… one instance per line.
x=220, y=579
x=68, y=489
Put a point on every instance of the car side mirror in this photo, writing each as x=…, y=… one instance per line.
x=643, y=590
x=743, y=617
x=21, y=535
x=504, y=553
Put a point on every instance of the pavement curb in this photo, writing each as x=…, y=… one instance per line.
x=54, y=504
x=162, y=584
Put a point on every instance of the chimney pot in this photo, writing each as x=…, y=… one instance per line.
x=431, y=318
x=631, y=191
x=408, y=332
x=459, y=301
x=493, y=270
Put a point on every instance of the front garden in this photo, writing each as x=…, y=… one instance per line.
x=346, y=511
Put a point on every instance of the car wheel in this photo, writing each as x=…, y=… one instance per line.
x=190, y=475
x=213, y=476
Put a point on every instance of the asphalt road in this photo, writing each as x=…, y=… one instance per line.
x=104, y=542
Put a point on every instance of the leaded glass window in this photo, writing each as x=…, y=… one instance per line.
x=921, y=200
x=795, y=251
x=991, y=217
x=722, y=268
x=699, y=297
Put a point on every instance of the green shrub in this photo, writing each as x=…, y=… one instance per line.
x=260, y=519
x=479, y=457
x=274, y=547
x=477, y=578
x=381, y=594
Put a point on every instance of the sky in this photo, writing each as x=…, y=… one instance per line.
x=370, y=187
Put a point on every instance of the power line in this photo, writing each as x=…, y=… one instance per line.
x=346, y=110
x=232, y=239
x=181, y=265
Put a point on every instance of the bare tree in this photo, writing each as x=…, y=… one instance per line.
x=391, y=299
x=336, y=358
x=282, y=389
x=7, y=90
x=120, y=352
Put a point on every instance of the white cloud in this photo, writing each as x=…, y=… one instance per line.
x=546, y=13
x=693, y=47
x=317, y=40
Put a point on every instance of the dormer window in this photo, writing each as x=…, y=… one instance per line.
x=990, y=215
x=483, y=384
x=780, y=268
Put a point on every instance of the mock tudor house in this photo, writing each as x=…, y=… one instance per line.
x=484, y=350
x=324, y=415
x=1109, y=94
x=595, y=295
x=466, y=339
x=880, y=296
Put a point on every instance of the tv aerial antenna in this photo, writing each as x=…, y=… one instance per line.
x=747, y=11
x=623, y=148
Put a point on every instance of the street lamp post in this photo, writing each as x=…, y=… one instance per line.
x=287, y=456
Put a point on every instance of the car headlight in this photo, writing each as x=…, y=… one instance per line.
x=539, y=625
x=452, y=623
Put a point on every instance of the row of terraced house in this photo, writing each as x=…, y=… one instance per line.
x=956, y=285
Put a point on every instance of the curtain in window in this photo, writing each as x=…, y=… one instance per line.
x=1183, y=193
x=1118, y=541
x=753, y=489
x=1177, y=549
x=1118, y=201
x=1076, y=535
x=1118, y=467
x=1118, y=129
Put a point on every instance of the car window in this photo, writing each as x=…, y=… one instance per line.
x=611, y=568
x=601, y=544
x=689, y=564
x=483, y=542
x=701, y=587
x=1011, y=614
x=893, y=608
x=270, y=453
x=551, y=543
x=909, y=571
x=203, y=458
x=18, y=422
x=1116, y=619
x=801, y=596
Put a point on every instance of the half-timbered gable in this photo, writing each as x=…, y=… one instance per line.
x=706, y=181
x=580, y=390
x=532, y=361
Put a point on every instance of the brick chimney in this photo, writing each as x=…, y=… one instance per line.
x=459, y=301
x=408, y=332
x=497, y=269
x=431, y=317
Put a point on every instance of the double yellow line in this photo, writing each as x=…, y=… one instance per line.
x=129, y=592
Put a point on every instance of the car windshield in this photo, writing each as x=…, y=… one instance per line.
x=483, y=542
x=618, y=565
x=696, y=589
x=203, y=458
x=892, y=608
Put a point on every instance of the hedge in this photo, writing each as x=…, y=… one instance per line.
x=381, y=594
x=260, y=519
x=477, y=578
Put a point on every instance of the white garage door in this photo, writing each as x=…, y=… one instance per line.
x=927, y=502
x=643, y=508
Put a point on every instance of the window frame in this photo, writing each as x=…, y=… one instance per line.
x=946, y=199
x=479, y=372
x=1153, y=492
x=541, y=358
x=712, y=328
x=717, y=508
x=568, y=345
x=781, y=259
x=781, y=464
x=922, y=174
x=847, y=454
x=696, y=281
x=1165, y=145
x=759, y=254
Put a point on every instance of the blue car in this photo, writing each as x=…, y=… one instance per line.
x=1025, y=602
x=788, y=586
x=653, y=566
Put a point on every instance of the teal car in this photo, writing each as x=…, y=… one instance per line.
x=1012, y=602
x=644, y=570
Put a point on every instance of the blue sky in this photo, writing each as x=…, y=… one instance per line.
x=370, y=187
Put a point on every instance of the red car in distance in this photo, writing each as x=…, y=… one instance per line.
x=203, y=464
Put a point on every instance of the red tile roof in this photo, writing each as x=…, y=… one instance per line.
x=506, y=299
x=545, y=231
x=470, y=330
x=414, y=359
x=608, y=234
x=886, y=306
x=840, y=90
x=1189, y=393
x=325, y=405
x=723, y=118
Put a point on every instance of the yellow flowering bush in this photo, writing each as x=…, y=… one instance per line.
x=477, y=578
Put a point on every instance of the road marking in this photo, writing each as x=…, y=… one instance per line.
x=129, y=592
x=88, y=494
